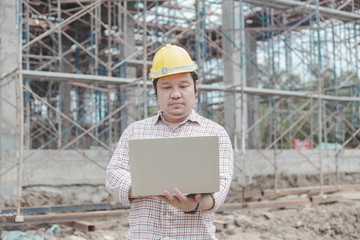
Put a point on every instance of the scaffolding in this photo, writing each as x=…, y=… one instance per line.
x=82, y=74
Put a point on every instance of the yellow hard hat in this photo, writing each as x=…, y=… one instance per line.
x=170, y=60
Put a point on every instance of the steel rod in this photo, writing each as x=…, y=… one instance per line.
x=67, y=118
x=69, y=20
x=304, y=7
x=145, y=72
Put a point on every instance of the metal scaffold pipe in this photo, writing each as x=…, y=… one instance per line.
x=145, y=62
x=243, y=84
x=304, y=7
x=320, y=83
x=20, y=116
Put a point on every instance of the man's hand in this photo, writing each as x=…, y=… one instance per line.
x=180, y=201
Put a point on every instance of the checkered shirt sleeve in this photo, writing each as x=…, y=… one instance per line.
x=118, y=178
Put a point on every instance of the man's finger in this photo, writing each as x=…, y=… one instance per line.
x=180, y=195
x=169, y=196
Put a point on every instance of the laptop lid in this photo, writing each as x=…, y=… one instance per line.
x=190, y=163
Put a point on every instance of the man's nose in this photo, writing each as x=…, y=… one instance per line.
x=175, y=93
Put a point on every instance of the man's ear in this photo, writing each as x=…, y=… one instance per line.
x=196, y=87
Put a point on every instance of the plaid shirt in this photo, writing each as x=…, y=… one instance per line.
x=153, y=219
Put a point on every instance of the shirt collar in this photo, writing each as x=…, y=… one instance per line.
x=193, y=117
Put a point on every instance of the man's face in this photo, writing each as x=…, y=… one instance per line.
x=176, y=96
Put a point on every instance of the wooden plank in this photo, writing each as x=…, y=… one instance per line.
x=66, y=208
x=84, y=226
x=253, y=194
x=310, y=190
x=325, y=199
x=63, y=217
x=264, y=204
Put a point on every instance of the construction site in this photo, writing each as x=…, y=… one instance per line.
x=282, y=78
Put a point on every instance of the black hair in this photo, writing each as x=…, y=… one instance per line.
x=193, y=75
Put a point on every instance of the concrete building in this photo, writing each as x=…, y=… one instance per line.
x=83, y=66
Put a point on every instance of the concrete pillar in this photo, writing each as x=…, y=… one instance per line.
x=254, y=136
x=8, y=61
x=64, y=89
x=129, y=114
x=232, y=74
x=65, y=108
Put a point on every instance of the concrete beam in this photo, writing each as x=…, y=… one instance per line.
x=303, y=7
x=279, y=93
x=135, y=62
x=57, y=76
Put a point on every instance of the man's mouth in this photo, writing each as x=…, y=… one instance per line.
x=175, y=104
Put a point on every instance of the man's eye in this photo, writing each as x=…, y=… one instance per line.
x=184, y=86
x=165, y=87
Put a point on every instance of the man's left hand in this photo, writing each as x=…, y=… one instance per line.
x=180, y=201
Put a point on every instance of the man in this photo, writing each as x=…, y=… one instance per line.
x=170, y=216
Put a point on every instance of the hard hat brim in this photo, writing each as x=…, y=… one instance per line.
x=173, y=70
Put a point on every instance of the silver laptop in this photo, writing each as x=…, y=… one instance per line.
x=190, y=163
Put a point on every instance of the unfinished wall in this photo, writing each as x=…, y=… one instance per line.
x=71, y=167
x=53, y=167
x=8, y=61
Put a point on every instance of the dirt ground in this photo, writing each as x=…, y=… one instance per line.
x=339, y=220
